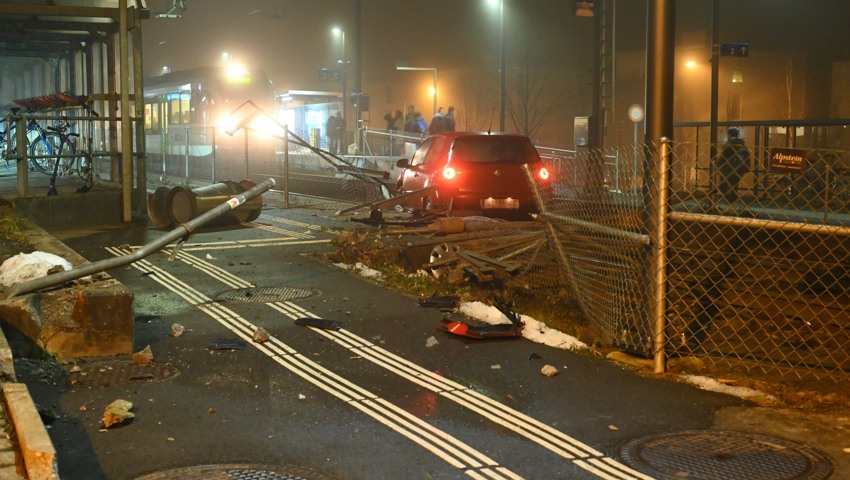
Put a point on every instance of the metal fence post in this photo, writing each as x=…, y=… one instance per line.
x=212, y=168
x=186, y=129
x=659, y=257
x=286, y=166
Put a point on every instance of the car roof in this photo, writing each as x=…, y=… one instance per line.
x=453, y=135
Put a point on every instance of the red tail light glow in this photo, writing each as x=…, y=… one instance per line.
x=449, y=173
x=543, y=173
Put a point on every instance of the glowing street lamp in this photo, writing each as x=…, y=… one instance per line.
x=434, y=88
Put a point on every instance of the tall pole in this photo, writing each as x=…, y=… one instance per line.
x=357, y=88
x=435, y=91
x=501, y=65
x=715, y=75
x=344, y=92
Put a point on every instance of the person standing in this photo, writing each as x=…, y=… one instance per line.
x=438, y=123
x=450, y=119
x=339, y=134
x=330, y=132
x=732, y=164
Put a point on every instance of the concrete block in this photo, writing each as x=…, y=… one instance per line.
x=37, y=450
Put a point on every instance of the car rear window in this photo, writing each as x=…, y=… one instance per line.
x=493, y=149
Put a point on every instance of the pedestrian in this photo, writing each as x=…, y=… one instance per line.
x=421, y=124
x=450, y=119
x=732, y=164
x=438, y=123
x=411, y=112
x=330, y=132
x=398, y=121
x=338, y=133
x=389, y=119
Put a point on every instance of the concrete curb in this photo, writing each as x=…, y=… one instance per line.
x=39, y=455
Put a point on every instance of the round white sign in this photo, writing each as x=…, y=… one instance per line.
x=636, y=113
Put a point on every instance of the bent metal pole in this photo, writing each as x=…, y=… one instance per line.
x=179, y=232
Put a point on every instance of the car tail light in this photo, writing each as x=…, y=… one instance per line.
x=543, y=174
x=449, y=173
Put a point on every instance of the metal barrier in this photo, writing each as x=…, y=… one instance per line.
x=762, y=282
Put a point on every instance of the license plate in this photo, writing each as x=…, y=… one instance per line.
x=500, y=203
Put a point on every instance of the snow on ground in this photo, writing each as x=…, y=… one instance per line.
x=534, y=330
x=24, y=267
x=362, y=269
x=712, y=385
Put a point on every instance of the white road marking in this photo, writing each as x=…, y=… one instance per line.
x=450, y=449
x=499, y=413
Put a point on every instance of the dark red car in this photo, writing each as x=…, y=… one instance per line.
x=474, y=174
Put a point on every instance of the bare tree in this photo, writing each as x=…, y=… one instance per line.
x=534, y=91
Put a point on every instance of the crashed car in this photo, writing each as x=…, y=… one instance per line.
x=473, y=174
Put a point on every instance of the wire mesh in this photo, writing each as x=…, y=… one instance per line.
x=755, y=269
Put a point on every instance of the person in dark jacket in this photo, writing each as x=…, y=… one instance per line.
x=438, y=123
x=732, y=164
x=450, y=119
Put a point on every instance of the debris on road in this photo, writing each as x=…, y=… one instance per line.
x=177, y=329
x=228, y=344
x=502, y=330
x=438, y=302
x=318, y=323
x=261, y=335
x=431, y=342
x=144, y=356
x=549, y=371
x=117, y=413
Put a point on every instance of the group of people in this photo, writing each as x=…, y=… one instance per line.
x=413, y=122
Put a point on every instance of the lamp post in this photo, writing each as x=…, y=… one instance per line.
x=344, y=67
x=501, y=4
x=435, y=80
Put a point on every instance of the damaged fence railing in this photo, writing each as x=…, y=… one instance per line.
x=182, y=232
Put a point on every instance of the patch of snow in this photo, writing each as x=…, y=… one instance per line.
x=362, y=269
x=24, y=267
x=534, y=330
x=713, y=385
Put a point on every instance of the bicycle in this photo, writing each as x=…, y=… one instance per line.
x=55, y=149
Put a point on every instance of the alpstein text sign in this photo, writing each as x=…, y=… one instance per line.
x=787, y=160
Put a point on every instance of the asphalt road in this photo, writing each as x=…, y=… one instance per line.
x=369, y=401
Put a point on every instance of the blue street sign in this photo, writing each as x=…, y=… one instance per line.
x=734, y=49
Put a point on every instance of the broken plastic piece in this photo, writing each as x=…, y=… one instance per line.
x=505, y=306
x=505, y=330
x=439, y=302
x=319, y=323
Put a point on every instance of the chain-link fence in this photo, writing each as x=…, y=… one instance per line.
x=745, y=263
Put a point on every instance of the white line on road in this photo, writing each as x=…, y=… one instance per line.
x=501, y=414
x=443, y=445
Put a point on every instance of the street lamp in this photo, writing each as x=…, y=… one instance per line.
x=501, y=4
x=435, y=80
x=344, y=65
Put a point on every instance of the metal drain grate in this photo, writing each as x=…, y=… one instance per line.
x=714, y=454
x=238, y=472
x=266, y=294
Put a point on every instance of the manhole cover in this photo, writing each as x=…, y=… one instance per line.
x=713, y=454
x=266, y=294
x=232, y=472
x=113, y=373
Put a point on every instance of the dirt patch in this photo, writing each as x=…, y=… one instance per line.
x=12, y=239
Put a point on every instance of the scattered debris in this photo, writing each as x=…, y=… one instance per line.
x=210, y=257
x=549, y=371
x=177, y=329
x=143, y=357
x=431, y=342
x=261, y=335
x=534, y=356
x=502, y=330
x=117, y=413
x=613, y=428
x=228, y=344
x=301, y=396
x=495, y=367
x=211, y=410
x=438, y=302
x=319, y=323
